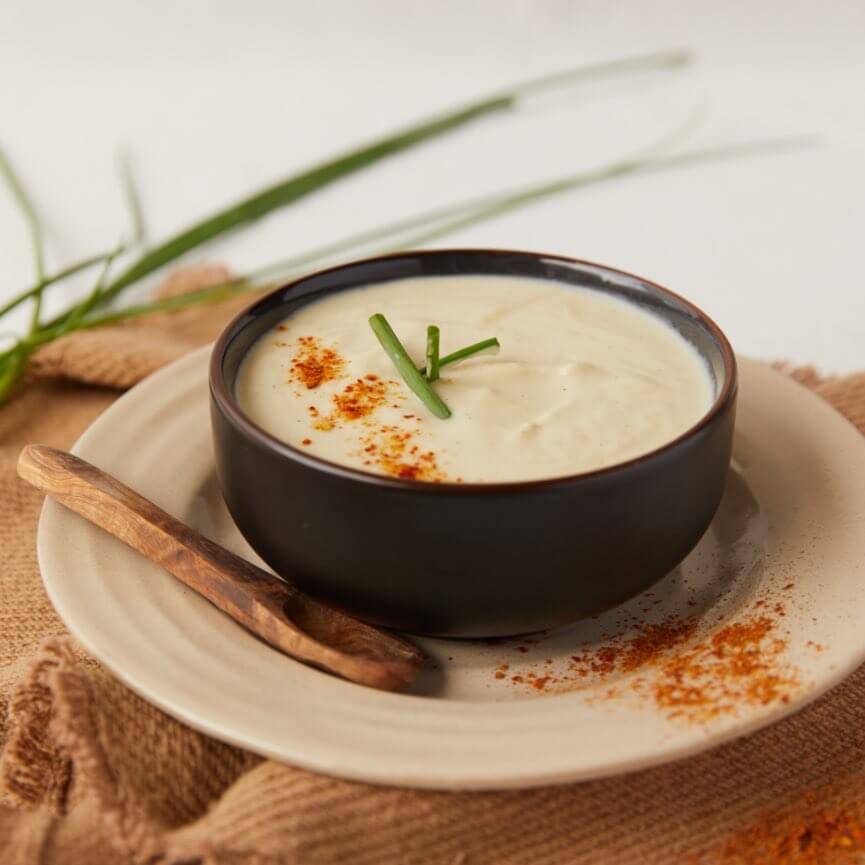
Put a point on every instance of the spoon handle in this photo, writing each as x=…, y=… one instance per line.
x=264, y=604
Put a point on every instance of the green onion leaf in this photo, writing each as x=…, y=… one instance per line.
x=132, y=198
x=469, y=213
x=211, y=294
x=80, y=311
x=307, y=182
x=405, y=366
x=35, y=228
x=11, y=370
x=445, y=220
x=53, y=278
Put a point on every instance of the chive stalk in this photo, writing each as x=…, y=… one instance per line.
x=405, y=366
x=432, y=353
x=463, y=353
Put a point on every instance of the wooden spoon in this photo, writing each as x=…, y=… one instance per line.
x=275, y=610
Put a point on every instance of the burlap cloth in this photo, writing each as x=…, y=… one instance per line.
x=89, y=773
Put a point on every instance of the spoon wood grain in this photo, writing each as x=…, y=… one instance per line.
x=275, y=610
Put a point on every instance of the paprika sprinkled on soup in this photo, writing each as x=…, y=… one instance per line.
x=581, y=380
x=312, y=364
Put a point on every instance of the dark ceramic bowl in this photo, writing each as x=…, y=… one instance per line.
x=471, y=560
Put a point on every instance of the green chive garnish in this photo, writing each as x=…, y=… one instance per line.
x=432, y=353
x=469, y=350
x=405, y=365
x=462, y=354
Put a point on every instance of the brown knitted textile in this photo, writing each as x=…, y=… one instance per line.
x=89, y=773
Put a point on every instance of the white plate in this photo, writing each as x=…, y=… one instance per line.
x=801, y=547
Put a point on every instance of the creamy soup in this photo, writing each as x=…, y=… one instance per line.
x=582, y=380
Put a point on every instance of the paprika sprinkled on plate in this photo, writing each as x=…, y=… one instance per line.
x=687, y=677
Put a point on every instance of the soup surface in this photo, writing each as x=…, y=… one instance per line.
x=582, y=380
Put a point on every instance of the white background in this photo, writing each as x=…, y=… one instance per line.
x=213, y=99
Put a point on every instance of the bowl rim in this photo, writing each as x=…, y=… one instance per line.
x=222, y=395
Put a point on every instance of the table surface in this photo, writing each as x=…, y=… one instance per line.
x=213, y=99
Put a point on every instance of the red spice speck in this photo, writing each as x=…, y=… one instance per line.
x=392, y=449
x=740, y=664
x=396, y=454
x=313, y=364
x=359, y=400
